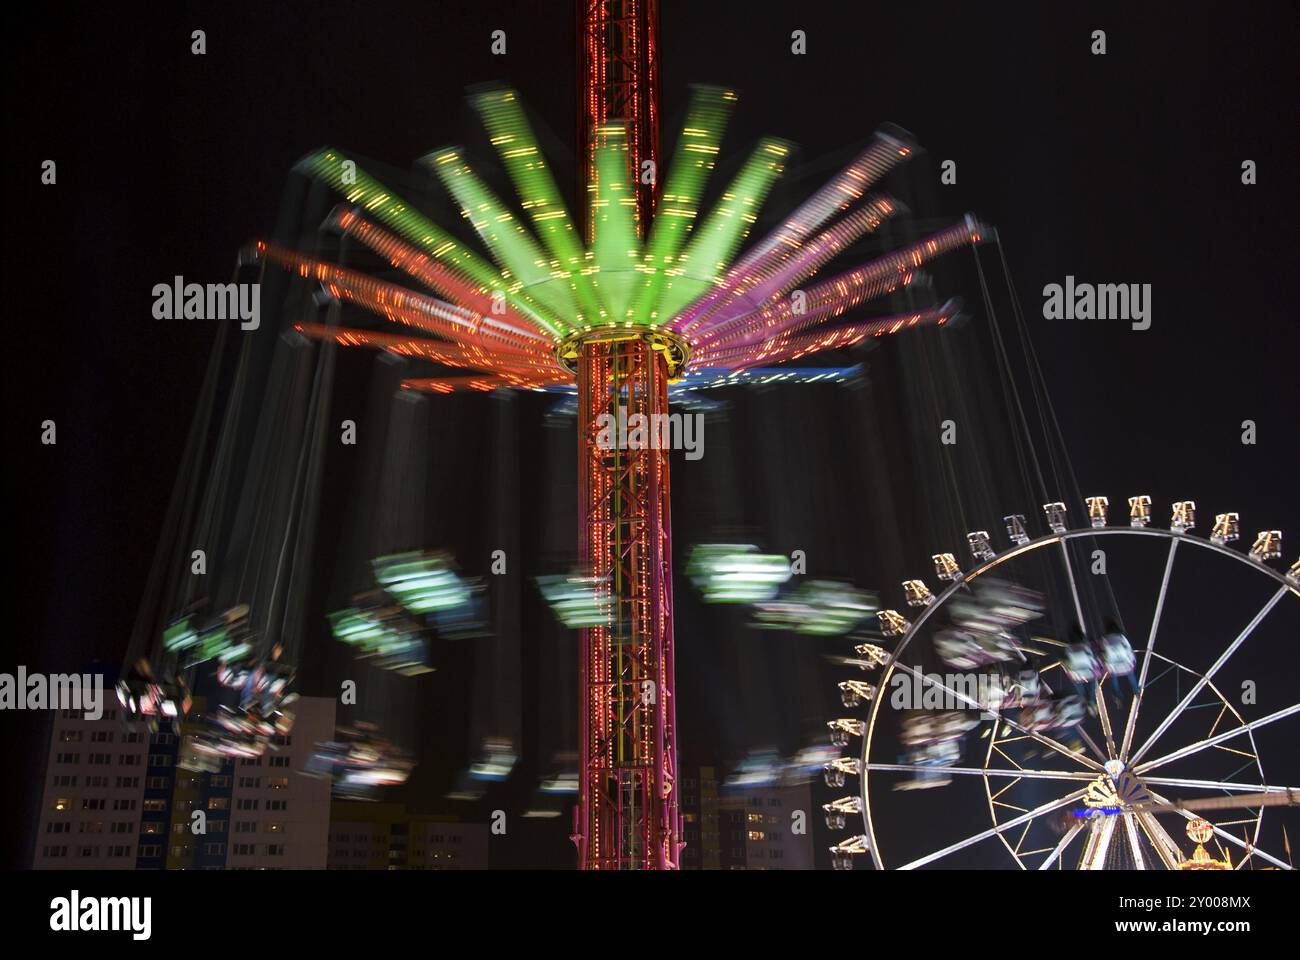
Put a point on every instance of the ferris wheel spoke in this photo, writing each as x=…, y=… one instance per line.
x=1103, y=714
x=1250, y=848
x=1217, y=785
x=995, y=830
x=1130, y=827
x=1099, y=838
x=1083, y=629
x=1200, y=684
x=1017, y=773
x=1131, y=724
x=1161, y=842
x=1060, y=847
x=1074, y=588
x=1092, y=744
x=1218, y=738
x=974, y=704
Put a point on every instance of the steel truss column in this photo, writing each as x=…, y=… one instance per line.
x=618, y=79
x=627, y=813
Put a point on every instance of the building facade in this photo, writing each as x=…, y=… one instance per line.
x=745, y=827
x=280, y=818
x=767, y=828
x=387, y=836
x=93, y=801
x=116, y=797
x=700, y=822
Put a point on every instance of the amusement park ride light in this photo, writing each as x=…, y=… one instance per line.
x=892, y=623
x=1055, y=513
x=1267, y=545
x=422, y=583
x=1139, y=510
x=1199, y=831
x=837, y=768
x=579, y=601
x=917, y=593
x=417, y=591
x=1184, y=516
x=1226, y=528
x=945, y=567
x=818, y=608
x=842, y=853
x=225, y=638
x=1016, y=528
x=979, y=545
x=359, y=763
x=736, y=573
x=383, y=632
x=853, y=692
x=836, y=809
x=872, y=653
x=844, y=728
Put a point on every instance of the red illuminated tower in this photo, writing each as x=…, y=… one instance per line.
x=627, y=815
x=618, y=79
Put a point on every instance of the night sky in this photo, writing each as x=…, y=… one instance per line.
x=1123, y=168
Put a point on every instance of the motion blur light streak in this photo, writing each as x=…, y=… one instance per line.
x=728, y=573
x=578, y=601
x=818, y=608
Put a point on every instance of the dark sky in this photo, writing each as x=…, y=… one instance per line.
x=1121, y=168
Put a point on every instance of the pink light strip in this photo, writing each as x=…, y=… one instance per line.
x=439, y=351
x=775, y=278
x=485, y=383
x=795, y=346
x=404, y=306
x=837, y=195
x=835, y=296
x=474, y=299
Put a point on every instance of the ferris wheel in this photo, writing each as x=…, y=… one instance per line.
x=981, y=742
